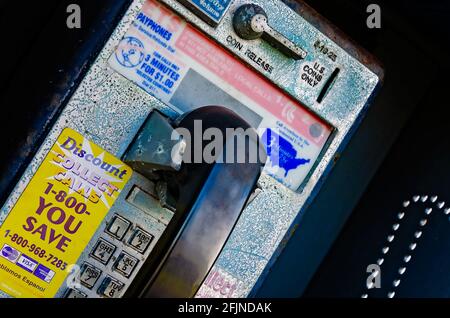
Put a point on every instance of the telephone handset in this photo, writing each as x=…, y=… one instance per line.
x=209, y=197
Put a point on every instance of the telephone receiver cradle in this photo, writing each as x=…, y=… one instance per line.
x=207, y=197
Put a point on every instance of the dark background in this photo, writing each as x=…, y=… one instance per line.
x=401, y=149
x=416, y=164
x=42, y=63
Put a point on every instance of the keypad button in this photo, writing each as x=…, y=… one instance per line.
x=118, y=227
x=89, y=275
x=125, y=264
x=140, y=240
x=103, y=251
x=73, y=293
x=110, y=287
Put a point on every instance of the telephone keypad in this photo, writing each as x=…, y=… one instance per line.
x=89, y=275
x=140, y=240
x=118, y=227
x=110, y=287
x=103, y=251
x=73, y=293
x=117, y=252
x=125, y=264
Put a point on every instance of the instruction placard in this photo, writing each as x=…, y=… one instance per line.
x=185, y=69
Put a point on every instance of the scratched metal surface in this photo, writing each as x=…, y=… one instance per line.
x=108, y=109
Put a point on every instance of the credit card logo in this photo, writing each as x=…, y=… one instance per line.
x=27, y=263
x=10, y=253
x=44, y=273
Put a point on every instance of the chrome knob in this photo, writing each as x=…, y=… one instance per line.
x=250, y=22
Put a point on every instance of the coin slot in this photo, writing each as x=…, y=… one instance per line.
x=328, y=85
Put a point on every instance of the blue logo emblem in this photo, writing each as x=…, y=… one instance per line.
x=10, y=253
x=281, y=152
x=130, y=52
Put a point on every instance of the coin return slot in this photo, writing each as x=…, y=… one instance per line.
x=328, y=85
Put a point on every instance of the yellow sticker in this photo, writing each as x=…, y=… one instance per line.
x=57, y=215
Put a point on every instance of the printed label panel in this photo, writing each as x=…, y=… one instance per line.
x=213, y=10
x=57, y=214
x=183, y=68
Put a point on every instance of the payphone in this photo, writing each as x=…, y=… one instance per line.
x=111, y=205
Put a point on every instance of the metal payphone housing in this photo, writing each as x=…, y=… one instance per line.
x=109, y=110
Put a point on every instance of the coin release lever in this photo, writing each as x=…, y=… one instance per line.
x=250, y=22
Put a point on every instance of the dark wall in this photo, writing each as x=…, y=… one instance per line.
x=42, y=62
x=412, y=46
x=417, y=262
